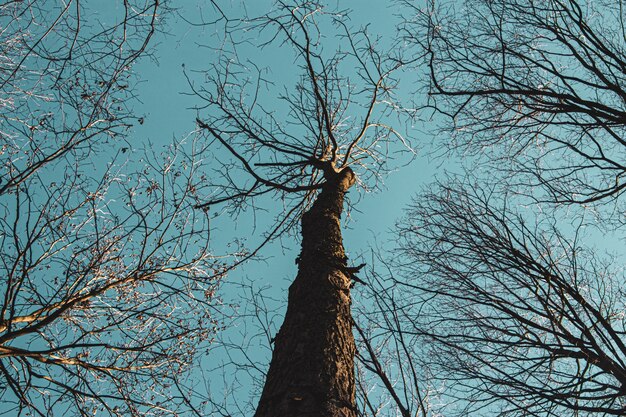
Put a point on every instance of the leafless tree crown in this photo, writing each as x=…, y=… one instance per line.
x=333, y=116
x=537, y=86
x=516, y=316
x=108, y=288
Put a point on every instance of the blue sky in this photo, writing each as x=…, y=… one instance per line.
x=170, y=115
x=184, y=51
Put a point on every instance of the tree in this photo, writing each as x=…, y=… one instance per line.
x=108, y=287
x=308, y=159
x=518, y=317
x=536, y=84
x=515, y=314
x=391, y=380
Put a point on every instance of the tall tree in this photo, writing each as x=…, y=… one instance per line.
x=330, y=136
x=107, y=284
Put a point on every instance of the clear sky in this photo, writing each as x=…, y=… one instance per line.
x=183, y=51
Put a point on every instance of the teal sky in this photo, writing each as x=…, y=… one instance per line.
x=167, y=107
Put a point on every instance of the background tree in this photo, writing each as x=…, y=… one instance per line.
x=326, y=135
x=516, y=315
x=535, y=86
x=108, y=289
x=391, y=378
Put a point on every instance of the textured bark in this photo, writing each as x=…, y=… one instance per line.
x=312, y=367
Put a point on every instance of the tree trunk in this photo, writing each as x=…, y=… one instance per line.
x=312, y=367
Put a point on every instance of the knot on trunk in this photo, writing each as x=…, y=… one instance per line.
x=346, y=179
x=341, y=180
